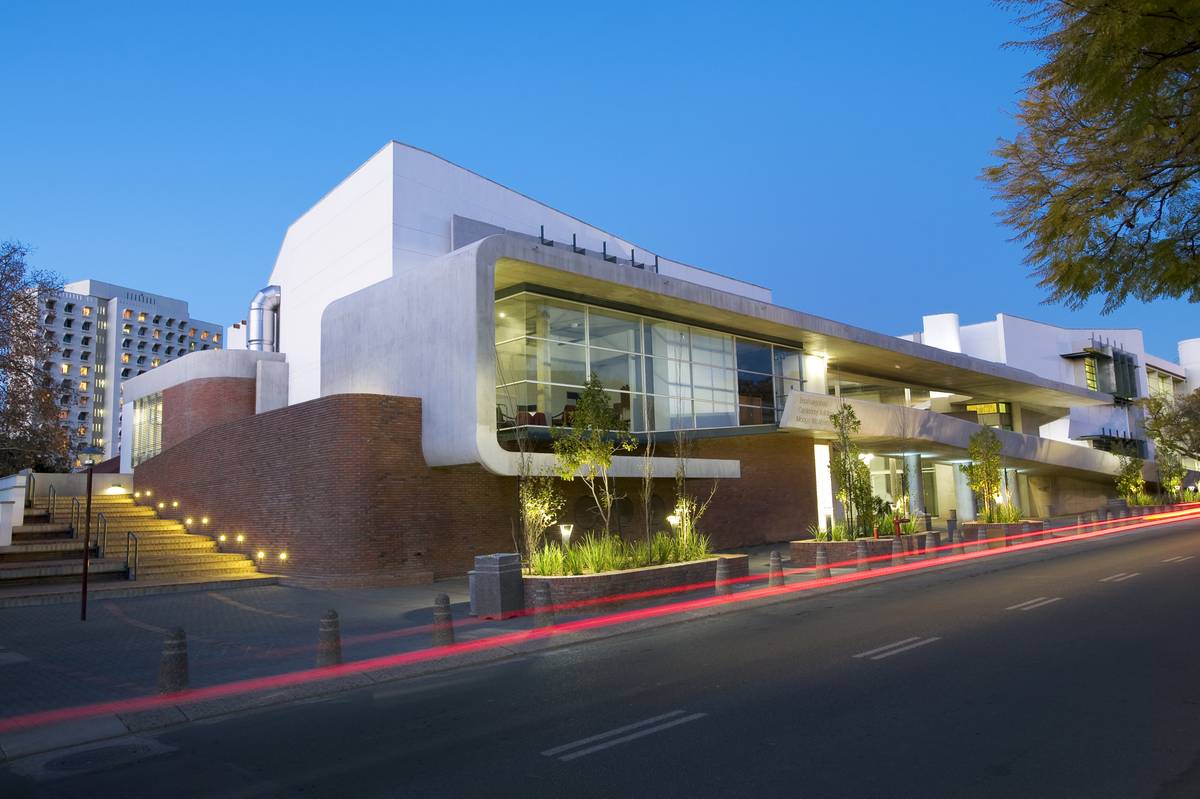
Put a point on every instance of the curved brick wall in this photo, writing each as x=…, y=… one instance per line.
x=340, y=483
x=193, y=407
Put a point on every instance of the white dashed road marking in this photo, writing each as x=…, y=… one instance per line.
x=1034, y=604
x=605, y=740
x=896, y=647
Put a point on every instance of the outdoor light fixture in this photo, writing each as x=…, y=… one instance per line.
x=175, y=503
x=565, y=531
x=221, y=537
x=261, y=554
x=673, y=520
x=241, y=538
x=204, y=520
x=283, y=556
x=188, y=521
x=137, y=494
x=162, y=505
x=149, y=493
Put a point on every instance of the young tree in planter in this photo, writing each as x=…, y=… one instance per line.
x=850, y=474
x=983, y=472
x=1131, y=486
x=1170, y=473
x=541, y=503
x=586, y=448
x=688, y=510
x=647, y=488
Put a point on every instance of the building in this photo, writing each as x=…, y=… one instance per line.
x=107, y=334
x=423, y=325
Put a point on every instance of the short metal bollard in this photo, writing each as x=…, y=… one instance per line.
x=721, y=584
x=443, y=621
x=173, y=666
x=329, y=640
x=860, y=556
x=897, y=551
x=543, y=609
x=957, y=541
x=821, y=562
x=931, y=545
x=775, y=576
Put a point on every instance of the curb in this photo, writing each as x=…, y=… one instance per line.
x=115, y=725
x=94, y=593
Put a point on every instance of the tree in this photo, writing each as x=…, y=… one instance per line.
x=1173, y=423
x=541, y=502
x=586, y=448
x=983, y=471
x=647, y=487
x=1130, y=484
x=688, y=509
x=31, y=435
x=1170, y=473
x=1102, y=181
x=850, y=474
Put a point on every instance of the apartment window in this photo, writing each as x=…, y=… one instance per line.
x=69, y=307
x=125, y=357
x=154, y=363
x=126, y=343
x=67, y=338
x=86, y=341
x=142, y=316
x=86, y=326
x=127, y=314
x=86, y=354
x=157, y=319
x=141, y=331
x=83, y=385
x=1089, y=373
x=68, y=322
x=125, y=373
x=127, y=329
x=157, y=333
x=204, y=335
x=83, y=371
x=66, y=368
x=147, y=428
x=67, y=352
x=216, y=338
x=86, y=311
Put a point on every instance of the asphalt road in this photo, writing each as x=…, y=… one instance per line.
x=1073, y=675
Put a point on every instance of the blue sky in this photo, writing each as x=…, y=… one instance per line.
x=830, y=154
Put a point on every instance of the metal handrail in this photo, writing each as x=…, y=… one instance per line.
x=131, y=566
x=53, y=496
x=29, y=490
x=75, y=509
x=101, y=533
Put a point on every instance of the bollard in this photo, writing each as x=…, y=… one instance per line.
x=952, y=526
x=931, y=545
x=897, y=551
x=443, y=622
x=982, y=539
x=329, y=640
x=821, y=560
x=173, y=667
x=722, y=582
x=957, y=541
x=860, y=554
x=543, y=610
x=775, y=570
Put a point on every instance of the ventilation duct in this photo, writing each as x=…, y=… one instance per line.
x=262, y=332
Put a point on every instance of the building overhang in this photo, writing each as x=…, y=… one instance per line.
x=847, y=348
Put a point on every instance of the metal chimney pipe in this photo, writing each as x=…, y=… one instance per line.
x=262, y=326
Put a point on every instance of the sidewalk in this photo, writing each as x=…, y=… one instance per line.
x=49, y=659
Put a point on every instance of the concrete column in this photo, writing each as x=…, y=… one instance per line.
x=839, y=512
x=916, y=485
x=963, y=496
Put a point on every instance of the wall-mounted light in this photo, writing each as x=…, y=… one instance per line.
x=204, y=520
x=221, y=537
x=241, y=538
x=188, y=521
x=174, y=503
x=162, y=505
x=674, y=520
x=137, y=494
x=261, y=554
x=149, y=493
x=283, y=556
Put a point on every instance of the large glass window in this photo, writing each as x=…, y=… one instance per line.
x=147, y=428
x=660, y=375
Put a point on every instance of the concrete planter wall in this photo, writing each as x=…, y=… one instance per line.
x=971, y=531
x=583, y=587
x=804, y=553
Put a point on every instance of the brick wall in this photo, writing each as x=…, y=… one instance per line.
x=192, y=407
x=584, y=587
x=341, y=485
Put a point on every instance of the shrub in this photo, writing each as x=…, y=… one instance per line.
x=1003, y=513
x=602, y=553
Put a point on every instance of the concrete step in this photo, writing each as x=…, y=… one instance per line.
x=62, y=568
x=43, y=549
x=41, y=530
x=186, y=558
x=208, y=570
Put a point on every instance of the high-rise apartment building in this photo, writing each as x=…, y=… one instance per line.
x=105, y=334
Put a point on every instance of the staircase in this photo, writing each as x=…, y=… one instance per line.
x=45, y=549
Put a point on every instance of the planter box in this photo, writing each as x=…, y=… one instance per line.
x=584, y=587
x=971, y=532
x=804, y=553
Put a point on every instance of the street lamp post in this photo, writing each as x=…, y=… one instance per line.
x=87, y=530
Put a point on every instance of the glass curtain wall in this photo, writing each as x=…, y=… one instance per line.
x=659, y=375
x=147, y=428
